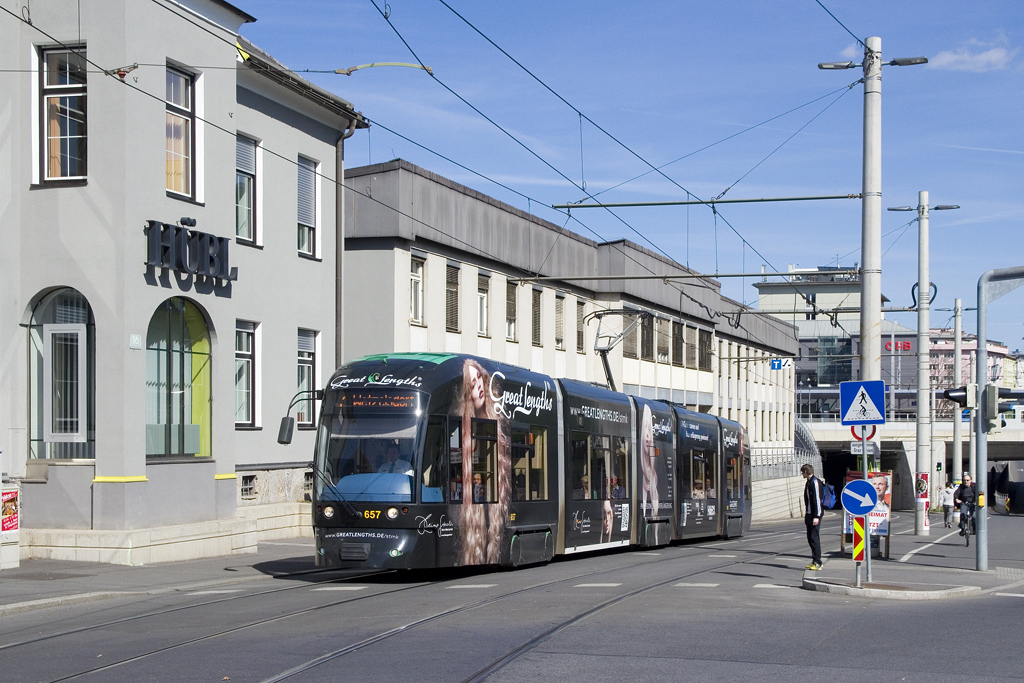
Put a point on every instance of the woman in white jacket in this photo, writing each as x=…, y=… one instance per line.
x=946, y=501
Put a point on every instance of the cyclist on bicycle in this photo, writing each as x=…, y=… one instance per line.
x=965, y=496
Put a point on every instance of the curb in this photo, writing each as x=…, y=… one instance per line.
x=33, y=605
x=937, y=594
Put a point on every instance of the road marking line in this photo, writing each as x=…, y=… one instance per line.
x=644, y=553
x=596, y=585
x=339, y=588
x=917, y=550
x=473, y=585
x=770, y=585
x=230, y=590
x=694, y=585
x=1011, y=595
x=721, y=556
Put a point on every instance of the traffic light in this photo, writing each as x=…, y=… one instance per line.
x=938, y=467
x=993, y=420
x=965, y=396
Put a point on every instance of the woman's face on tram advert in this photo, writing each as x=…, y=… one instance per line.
x=475, y=379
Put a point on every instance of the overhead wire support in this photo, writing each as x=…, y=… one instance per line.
x=679, y=276
x=708, y=202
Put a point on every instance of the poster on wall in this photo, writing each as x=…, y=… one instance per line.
x=878, y=518
x=9, y=517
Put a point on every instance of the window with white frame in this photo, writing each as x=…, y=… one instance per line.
x=181, y=115
x=560, y=322
x=416, y=290
x=451, y=298
x=64, y=114
x=307, y=207
x=510, y=311
x=483, y=288
x=306, y=377
x=245, y=374
x=678, y=344
x=245, y=189
x=664, y=336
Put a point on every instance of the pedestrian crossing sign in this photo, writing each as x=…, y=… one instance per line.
x=862, y=403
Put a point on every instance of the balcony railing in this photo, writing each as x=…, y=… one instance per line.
x=777, y=463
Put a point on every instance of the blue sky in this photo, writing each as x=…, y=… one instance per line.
x=669, y=78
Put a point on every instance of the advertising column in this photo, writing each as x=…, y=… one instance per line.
x=9, y=528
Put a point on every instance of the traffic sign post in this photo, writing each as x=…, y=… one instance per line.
x=859, y=523
x=859, y=498
x=862, y=404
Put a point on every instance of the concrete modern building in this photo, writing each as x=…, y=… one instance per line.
x=451, y=269
x=168, y=275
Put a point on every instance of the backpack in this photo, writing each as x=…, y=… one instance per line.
x=828, y=496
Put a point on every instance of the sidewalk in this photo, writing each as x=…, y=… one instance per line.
x=937, y=566
x=38, y=584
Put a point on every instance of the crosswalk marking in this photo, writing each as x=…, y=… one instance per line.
x=340, y=588
x=1011, y=595
x=473, y=585
x=770, y=585
x=694, y=585
x=217, y=592
x=596, y=585
x=721, y=556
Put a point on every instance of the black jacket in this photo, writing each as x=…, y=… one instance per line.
x=966, y=494
x=813, y=492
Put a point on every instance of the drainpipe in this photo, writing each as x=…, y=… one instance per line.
x=339, y=255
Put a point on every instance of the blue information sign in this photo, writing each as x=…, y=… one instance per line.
x=862, y=403
x=859, y=497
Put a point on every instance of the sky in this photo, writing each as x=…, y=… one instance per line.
x=722, y=96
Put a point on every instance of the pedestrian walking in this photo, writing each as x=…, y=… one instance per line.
x=814, y=489
x=946, y=500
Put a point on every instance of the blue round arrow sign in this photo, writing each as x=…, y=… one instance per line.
x=859, y=497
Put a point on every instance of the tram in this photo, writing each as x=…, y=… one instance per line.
x=443, y=460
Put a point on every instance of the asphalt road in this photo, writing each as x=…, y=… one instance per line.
x=722, y=610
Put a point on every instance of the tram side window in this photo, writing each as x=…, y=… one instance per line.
x=485, y=461
x=697, y=473
x=619, y=481
x=600, y=466
x=732, y=479
x=433, y=462
x=454, y=461
x=529, y=463
x=580, y=466
x=710, y=475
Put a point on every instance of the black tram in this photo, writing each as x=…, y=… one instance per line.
x=441, y=460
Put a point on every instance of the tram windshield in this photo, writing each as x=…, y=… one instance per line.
x=366, y=449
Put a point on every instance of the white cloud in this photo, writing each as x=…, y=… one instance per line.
x=962, y=59
x=852, y=51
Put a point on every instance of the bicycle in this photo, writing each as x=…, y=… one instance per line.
x=967, y=524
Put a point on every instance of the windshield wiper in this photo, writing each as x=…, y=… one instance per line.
x=347, y=506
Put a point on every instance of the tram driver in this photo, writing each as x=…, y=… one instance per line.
x=395, y=463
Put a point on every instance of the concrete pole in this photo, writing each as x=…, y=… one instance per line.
x=972, y=466
x=979, y=467
x=957, y=464
x=892, y=375
x=924, y=441
x=871, y=217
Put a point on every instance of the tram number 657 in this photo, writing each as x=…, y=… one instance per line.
x=371, y=514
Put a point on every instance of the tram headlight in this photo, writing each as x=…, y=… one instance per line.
x=328, y=512
x=392, y=513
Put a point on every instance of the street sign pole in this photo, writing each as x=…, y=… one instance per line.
x=867, y=525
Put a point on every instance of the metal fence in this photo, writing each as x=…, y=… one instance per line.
x=777, y=463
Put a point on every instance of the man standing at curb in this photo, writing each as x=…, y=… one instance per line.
x=814, y=511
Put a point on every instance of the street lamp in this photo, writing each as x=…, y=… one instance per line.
x=922, y=488
x=871, y=203
x=348, y=71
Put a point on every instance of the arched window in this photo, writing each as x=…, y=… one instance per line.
x=178, y=382
x=62, y=377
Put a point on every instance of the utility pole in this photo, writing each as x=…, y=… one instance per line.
x=924, y=439
x=957, y=464
x=972, y=463
x=925, y=395
x=871, y=217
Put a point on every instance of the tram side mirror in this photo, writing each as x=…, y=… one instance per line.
x=284, y=435
x=318, y=394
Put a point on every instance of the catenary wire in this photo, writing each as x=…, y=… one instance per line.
x=859, y=41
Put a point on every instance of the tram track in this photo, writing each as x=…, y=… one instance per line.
x=385, y=635
x=530, y=644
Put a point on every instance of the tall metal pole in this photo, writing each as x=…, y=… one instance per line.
x=957, y=464
x=924, y=441
x=871, y=217
x=992, y=285
x=972, y=463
